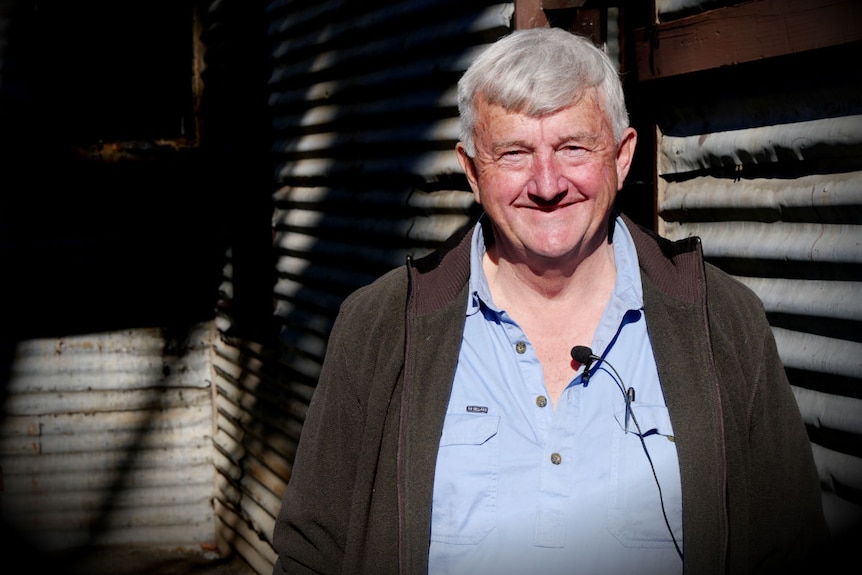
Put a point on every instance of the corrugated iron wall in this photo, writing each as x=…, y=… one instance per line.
x=763, y=161
x=105, y=387
x=106, y=439
x=362, y=96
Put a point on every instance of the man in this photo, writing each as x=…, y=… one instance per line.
x=556, y=391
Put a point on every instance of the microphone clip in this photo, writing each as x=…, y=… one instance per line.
x=630, y=397
x=584, y=355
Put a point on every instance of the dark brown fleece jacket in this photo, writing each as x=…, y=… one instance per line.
x=359, y=497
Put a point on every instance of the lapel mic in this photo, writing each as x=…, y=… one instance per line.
x=584, y=355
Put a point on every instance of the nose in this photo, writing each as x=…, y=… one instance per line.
x=547, y=184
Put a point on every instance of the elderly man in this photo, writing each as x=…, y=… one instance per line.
x=555, y=390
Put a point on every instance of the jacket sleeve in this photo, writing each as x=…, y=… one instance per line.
x=790, y=516
x=311, y=527
x=781, y=498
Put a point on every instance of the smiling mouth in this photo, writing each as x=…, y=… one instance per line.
x=550, y=207
x=546, y=209
x=549, y=203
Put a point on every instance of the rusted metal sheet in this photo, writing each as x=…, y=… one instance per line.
x=816, y=298
x=821, y=354
x=768, y=173
x=672, y=9
x=799, y=141
x=839, y=474
x=782, y=241
x=107, y=439
x=822, y=193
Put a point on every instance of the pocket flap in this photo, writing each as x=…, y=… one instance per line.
x=467, y=429
x=652, y=419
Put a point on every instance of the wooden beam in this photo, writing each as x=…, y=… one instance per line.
x=566, y=14
x=562, y=4
x=529, y=14
x=754, y=30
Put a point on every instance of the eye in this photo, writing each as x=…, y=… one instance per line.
x=573, y=152
x=513, y=156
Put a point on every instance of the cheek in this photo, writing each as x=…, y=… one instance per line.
x=498, y=187
x=596, y=181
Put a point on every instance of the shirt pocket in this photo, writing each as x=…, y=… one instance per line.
x=464, y=507
x=635, y=508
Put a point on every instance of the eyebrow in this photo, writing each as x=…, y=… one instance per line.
x=578, y=137
x=497, y=146
x=581, y=137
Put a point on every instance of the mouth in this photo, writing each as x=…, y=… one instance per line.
x=551, y=207
x=548, y=203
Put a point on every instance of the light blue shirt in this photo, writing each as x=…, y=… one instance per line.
x=522, y=487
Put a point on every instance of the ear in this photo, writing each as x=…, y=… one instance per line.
x=469, y=167
x=625, y=153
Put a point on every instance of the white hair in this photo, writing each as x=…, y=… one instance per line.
x=539, y=71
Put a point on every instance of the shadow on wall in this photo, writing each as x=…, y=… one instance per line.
x=364, y=174
x=102, y=229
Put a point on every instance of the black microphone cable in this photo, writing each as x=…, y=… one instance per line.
x=584, y=355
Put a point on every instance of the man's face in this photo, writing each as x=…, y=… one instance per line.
x=548, y=184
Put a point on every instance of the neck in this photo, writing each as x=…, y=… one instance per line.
x=538, y=286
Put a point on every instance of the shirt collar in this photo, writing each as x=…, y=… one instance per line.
x=628, y=286
x=479, y=291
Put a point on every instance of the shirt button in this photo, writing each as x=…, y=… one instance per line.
x=541, y=401
x=520, y=347
x=556, y=458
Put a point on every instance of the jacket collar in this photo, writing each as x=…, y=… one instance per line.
x=670, y=265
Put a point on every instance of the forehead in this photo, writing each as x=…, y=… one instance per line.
x=584, y=117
